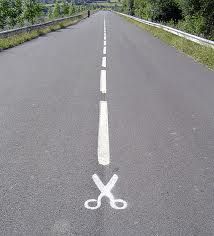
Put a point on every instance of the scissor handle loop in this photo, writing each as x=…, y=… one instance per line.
x=114, y=203
x=87, y=204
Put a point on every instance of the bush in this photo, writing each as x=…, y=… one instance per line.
x=193, y=16
x=166, y=10
x=193, y=24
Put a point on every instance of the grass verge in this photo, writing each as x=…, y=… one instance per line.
x=200, y=53
x=15, y=40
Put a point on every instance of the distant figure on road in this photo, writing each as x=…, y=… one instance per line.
x=88, y=13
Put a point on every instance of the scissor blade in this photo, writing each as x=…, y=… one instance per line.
x=98, y=182
x=112, y=182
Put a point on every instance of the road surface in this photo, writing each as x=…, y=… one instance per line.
x=150, y=123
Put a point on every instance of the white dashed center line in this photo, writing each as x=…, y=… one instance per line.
x=103, y=150
x=104, y=62
x=103, y=135
x=103, y=81
x=104, y=50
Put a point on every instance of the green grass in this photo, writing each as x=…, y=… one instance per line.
x=200, y=53
x=15, y=40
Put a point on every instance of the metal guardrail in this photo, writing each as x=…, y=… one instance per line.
x=180, y=33
x=8, y=33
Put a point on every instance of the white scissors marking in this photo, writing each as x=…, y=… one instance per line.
x=105, y=191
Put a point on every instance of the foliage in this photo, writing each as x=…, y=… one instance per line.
x=165, y=10
x=21, y=12
x=194, y=16
x=23, y=37
x=142, y=9
x=4, y=12
x=50, y=13
x=193, y=24
x=14, y=12
x=56, y=10
x=31, y=10
x=72, y=9
x=65, y=8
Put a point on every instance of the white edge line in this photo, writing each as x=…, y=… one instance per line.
x=103, y=151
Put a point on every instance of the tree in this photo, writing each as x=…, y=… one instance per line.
x=50, y=13
x=199, y=16
x=166, y=10
x=72, y=9
x=131, y=7
x=31, y=10
x=79, y=8
x=128, y=6
x=4, y=12
x=124, y=6
x=190, y=7
x=207, y=12
x=56, y=10
x=14, y=12
x=139, y=8
x=65, y=8
x=194, y=16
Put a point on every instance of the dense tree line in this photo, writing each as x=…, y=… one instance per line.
x=65, y=9
x=13, y=12
x=194, y=16
x=21, y=12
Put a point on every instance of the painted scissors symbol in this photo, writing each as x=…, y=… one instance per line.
x=105, y=190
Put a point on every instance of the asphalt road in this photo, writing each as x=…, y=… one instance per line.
x=160, y=130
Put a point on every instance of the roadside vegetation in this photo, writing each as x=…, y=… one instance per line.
x=200, y=53
x=193, y=16
x=107, y=5
x=18, y=13
x=15, y=40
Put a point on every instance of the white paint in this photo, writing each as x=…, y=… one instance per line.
x=104, y=62
x=104, y=42
x=104, y=26
x=103, y=81
x=105, y=192
x=104, y=37
x=104, y=50
x=103, y=151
